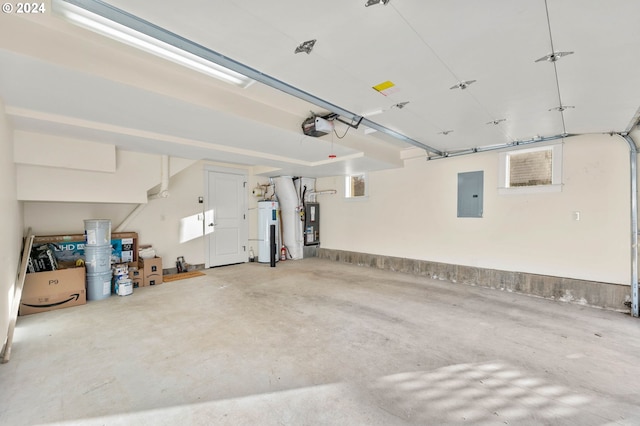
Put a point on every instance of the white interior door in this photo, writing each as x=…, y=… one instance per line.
x=225, y=218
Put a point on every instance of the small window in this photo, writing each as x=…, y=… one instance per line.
x=356, y=186
x=531, y=170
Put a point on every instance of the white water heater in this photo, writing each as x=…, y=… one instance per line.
x=268, y=214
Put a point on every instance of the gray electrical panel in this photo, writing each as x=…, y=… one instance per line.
x=470, y=194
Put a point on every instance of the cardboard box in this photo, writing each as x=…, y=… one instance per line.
x=46, y=291
x=124, y=246
x=135, y=275
x=128, y=250
x=151, y=270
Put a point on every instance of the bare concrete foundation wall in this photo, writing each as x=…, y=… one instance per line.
x=591, y=293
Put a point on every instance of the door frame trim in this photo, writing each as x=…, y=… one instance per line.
x=207, y=168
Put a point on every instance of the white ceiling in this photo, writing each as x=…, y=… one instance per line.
x=60, y=79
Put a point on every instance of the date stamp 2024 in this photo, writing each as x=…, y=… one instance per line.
x=24, y=8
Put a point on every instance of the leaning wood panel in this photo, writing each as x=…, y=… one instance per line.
x=28, y=242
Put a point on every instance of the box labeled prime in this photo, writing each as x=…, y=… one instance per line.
x=151, y=270
x=46, y=291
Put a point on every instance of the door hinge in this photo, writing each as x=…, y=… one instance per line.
x=244, y=216
x=244, y=184
x=244, y=248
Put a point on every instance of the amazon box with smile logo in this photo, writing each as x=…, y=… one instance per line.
x=46, y=291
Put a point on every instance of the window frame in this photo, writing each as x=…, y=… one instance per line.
x=556, y=171
x=347, y=186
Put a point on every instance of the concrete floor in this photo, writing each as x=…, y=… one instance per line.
x=318, y=342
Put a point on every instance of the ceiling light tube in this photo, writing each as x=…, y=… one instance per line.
x=106, y=27
x=110, y=13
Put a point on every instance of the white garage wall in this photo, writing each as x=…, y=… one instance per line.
x=39, y=149
x=411, y=212
x=158, y=224
x=161, y=223
x=11, y=226
x=135, y=174
x=54, y=218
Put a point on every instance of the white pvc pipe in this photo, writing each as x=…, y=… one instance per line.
x=314, y=194
x=163, y=192
x=290, y=212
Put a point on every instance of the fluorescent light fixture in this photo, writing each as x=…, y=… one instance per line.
x=106, y=27
x=136, y=27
